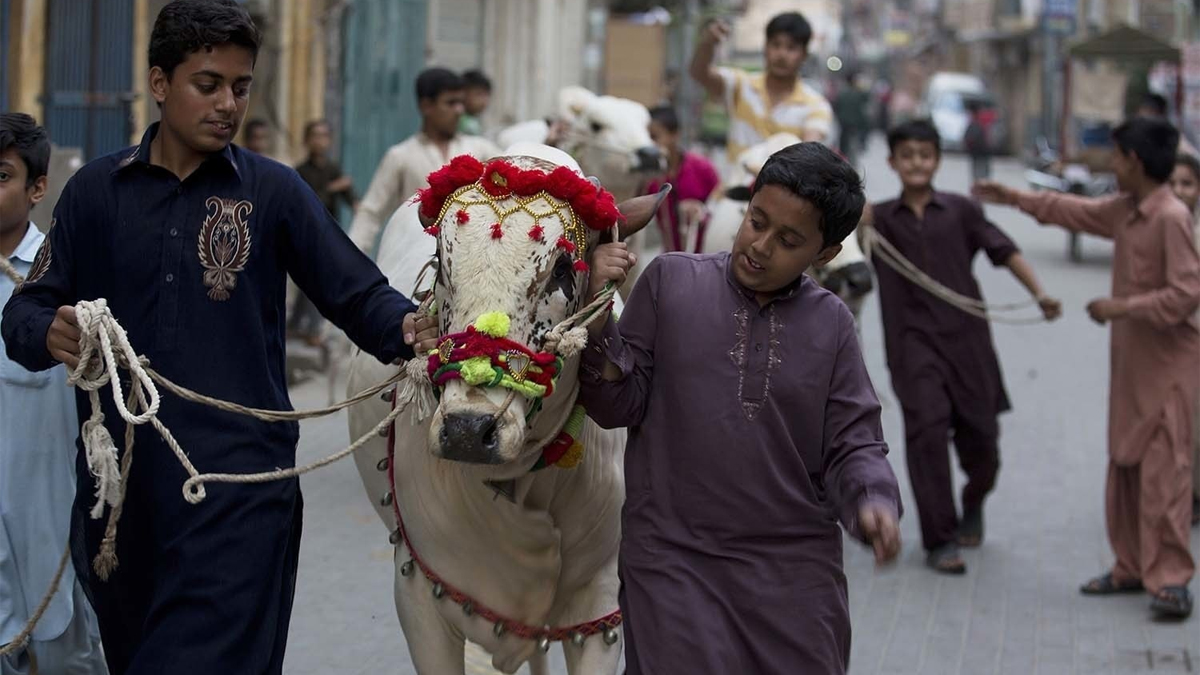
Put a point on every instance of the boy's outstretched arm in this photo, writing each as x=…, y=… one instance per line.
x=1051, y=307
x=616, y=367
x=702, y=69
x=855, y=468
x=1093, y=215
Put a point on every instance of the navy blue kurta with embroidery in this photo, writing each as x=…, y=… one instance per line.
x=196, y=273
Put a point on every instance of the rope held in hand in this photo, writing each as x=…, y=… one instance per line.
x=875, y=245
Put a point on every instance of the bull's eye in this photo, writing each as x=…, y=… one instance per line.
x=597, y=127
x=562, y=268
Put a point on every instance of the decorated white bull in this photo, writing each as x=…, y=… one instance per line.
x=505, y=505
x=848, y=275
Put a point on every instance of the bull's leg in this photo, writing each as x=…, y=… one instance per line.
x=435, y=647
x=539, y=664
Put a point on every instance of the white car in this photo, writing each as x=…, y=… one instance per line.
x=945, y=104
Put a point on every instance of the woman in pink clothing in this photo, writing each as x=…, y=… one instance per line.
x=692, y=177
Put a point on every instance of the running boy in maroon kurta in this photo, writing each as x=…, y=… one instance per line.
x=944, y=367
x=753, y=430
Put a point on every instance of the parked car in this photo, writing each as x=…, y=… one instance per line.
x=947, y=102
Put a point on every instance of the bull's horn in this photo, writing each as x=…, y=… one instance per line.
x=639, y=210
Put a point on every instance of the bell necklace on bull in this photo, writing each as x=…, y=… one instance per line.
x=508, y=200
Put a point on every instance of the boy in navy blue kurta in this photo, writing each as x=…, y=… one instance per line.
x=190, y=240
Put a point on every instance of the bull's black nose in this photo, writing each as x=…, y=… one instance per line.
x=650, y=158
x=471, y=438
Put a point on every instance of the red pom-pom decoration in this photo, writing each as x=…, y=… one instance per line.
x=536, y=233
x=566, y=245
x=581, y=266
x=433, y=230
x=496, y=231
x=462, y=217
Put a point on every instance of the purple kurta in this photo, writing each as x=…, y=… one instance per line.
x=752, y=432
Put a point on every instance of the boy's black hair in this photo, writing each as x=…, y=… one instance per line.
x=475, y=79
x=254, y=125
x=915, y=130
x=1189, y=160
x=792, y=24
x=312, y=126
x=814, y=172
x=666, y=116
x=433, y=82
x=1153, y=141
x=1156, y=103
x=21, y=132
x=187, y=26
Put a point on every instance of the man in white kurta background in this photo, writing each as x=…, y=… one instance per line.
x=404, y=168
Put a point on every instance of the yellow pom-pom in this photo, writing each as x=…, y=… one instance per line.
x=478, y=370
x=572, y=457
x=495, y=324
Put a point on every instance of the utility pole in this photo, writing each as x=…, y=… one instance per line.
x=686, y=92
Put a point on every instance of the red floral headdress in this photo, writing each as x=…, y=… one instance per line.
x=501, y=179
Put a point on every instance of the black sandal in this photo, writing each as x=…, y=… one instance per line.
x=1106, y=585
x=946, y=559
x=970, y=530
x=1173, y=602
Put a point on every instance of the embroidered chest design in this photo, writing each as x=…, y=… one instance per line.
x=224, y=244
x=41, y=262
x=754, y=377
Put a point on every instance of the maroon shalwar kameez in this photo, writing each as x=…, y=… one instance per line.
x=944, y=368
x=752, y=431
x=1155, y=361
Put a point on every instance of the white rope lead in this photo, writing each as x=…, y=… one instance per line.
x=875, y=245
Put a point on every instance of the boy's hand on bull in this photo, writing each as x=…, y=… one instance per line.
x=421, y=331
x=610, y=263
x=878, y=526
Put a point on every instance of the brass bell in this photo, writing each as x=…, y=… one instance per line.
x=577, y=639
x=544, y=644
x=386, y=500
x=394, y=537
x=383, y=433
x=498, y=629
x=610, y=637
x=468, y=608
x=388, y=395
x=406, y=570
x=438, y=591
x=382, y=465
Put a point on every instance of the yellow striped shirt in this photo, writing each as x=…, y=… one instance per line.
x=805, y=111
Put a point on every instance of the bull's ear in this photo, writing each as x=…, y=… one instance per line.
x=640, y=210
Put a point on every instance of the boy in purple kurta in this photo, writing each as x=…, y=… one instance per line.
x=753, y=430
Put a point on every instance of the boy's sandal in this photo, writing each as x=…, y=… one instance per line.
x=946, y=559
x=1106, y=585
x=1173, y=602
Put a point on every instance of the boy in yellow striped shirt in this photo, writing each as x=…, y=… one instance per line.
x=773, y=101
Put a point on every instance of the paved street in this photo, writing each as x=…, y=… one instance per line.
x=1018, y=609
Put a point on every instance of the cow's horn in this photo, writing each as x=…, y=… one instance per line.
x=639, y=210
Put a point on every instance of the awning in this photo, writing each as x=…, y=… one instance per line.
x=1125, y=43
